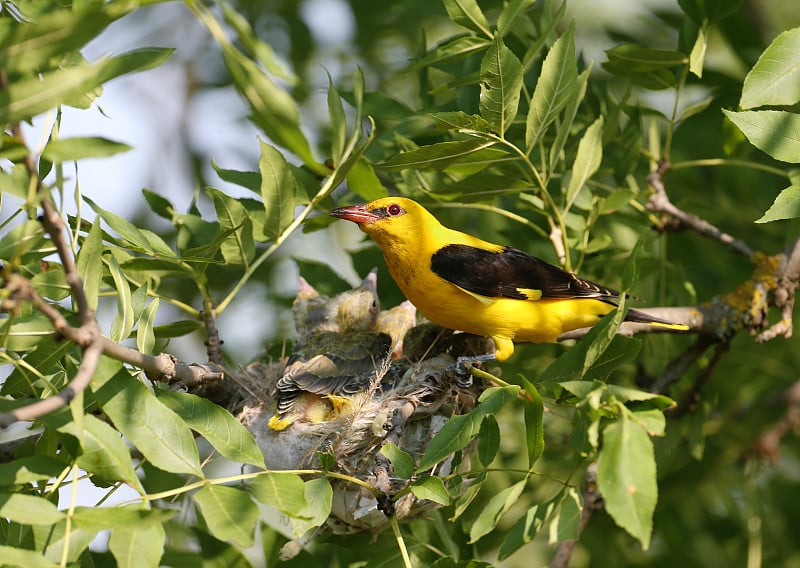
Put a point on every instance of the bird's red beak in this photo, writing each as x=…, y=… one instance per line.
x=355, y=213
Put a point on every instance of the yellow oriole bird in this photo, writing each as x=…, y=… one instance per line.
x=465, y=283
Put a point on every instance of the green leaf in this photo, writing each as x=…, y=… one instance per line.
x=177, y=328
x=431, y=488
x=30, y=469
x=228, y=436
x=247, y=180
x=362, y=180
x=772, y=131
x=319, y=499
x=698, y=53
x=459, y=120
x=105, y=455
x=775, y=78
x=488, y=440
x=90, y=264
x=155, y=430
x=526, y=528
x=534, y=422
x=564, y=128
x=238, y=248
x=635, y=58
x=647, y=67
x=626, y=477
x=556, y=86
x=229, y=513
x=78, y=148
x=459, y=430
x=272, y=109
x=278, y=190
x=467, y=13
x=95, y=519
x=284, y=491
x=28, y=509
x=450, y=50
x=33, y=44
x=140, y=548
x=463, y=502
x=497, y=506
x=338, y=122
x=13, y=556
x=576, y=361
x=402, y=462
x=24, y=333
x=511, y=11
x=145, y=337
x=23, y=100
x=587, y=160
x=436, y=156
x=712, y=10
x=140, y=240
x=260, y=50
x=21, y=239
x=567, y=517
x=51, y=283
x=501, y=81
x=785, y=206
x=123, y=322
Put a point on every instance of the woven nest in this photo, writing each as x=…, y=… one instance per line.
x=403, y=395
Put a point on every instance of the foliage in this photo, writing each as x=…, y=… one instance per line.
x=507, y=124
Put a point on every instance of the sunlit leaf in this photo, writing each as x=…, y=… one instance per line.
x=123, y=322
x=772, y=131
x=272, y=109
x=284, y=491
x=491, y=513
x=467, y=13
x=431, y=488
x=587, y=160
x=229, y=513
x=775, y=78
x=105, y=454
x=501, y=81
x=555, y=87
x=785, y=206
x=436, y=156
x=626, y=477
x=90, y=265
x=526, y=528
x=228, y=436
x=25, y=99
x=78, y=148
x=139, y=548
x=363, y=181
x=278, y=190
x=239, y=247
x=28, y=509
x=155, y=430
x=698, y=54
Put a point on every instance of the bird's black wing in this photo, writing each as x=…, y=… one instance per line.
x=512, y=273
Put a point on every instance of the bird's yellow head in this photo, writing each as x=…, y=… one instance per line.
x=388, y=219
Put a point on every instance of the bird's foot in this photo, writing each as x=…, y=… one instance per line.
x=463, y=366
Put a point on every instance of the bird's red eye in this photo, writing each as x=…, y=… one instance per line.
x=394, y=209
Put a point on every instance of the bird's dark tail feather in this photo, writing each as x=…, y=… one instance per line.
x=638, y=316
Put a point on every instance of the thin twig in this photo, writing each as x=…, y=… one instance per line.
x=659, y=202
